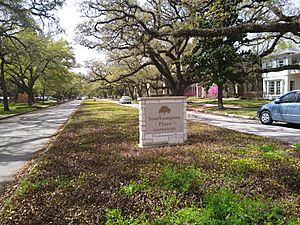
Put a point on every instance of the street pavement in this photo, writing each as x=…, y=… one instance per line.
x=277, y=131
x=22, y=136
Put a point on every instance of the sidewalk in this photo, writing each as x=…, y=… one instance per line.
x=23, y=135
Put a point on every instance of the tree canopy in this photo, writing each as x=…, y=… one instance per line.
x=38, y=57
x=163, y=33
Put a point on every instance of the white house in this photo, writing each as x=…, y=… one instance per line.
x=280, y=82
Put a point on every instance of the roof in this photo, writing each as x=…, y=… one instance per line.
x=290, y=51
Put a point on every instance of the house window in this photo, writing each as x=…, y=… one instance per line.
x=278, y=87
x=271, y=87
x=292, y=85
x=270, y=64
x=281, y=62
x=294, y=61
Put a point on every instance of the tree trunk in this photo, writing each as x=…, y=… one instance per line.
x=139, y=90
x=43, y=96
x=241, y=91
x=30, y=96
x=147, y=89
x=220, y=96
x=16, y=97
x=176, y=88
x=130, y=89
x=3, y=87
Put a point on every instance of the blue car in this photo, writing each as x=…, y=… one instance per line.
x=285, y=109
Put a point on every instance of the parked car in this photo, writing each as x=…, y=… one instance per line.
x=285, y=109
x=1, y=98
x=42, y=98
x=125, y=100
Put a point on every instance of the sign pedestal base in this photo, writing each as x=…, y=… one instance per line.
x=162, y=121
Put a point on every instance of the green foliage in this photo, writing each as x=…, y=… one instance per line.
x=243, y=103
x=40, y=62
x=284, y=44
x=114, y=217
x=16, y=109
x=171, y=178
x=27, y=185
x=265, y=148
x=181, y=180
x=269, y=151
x=246, y=166
x=133, y=187
x=296, y=146
x=187, y=215
x=294, y=221
x=224, y=207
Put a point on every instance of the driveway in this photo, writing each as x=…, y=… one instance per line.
x=22, y=136
x=278, y=131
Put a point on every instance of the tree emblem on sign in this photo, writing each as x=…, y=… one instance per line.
x=164, y=109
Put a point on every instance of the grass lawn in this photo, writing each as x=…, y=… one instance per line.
x=18, y=108
x=245, y=107
x=235, y=111
x=94, y=173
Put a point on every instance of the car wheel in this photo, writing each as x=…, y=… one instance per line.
x=266, y=118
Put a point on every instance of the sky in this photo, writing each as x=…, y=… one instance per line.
x=69, y=18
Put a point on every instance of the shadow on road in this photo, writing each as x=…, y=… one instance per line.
x=6, y=158
x=288, y=125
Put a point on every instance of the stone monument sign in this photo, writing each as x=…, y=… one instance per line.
x=162, y=121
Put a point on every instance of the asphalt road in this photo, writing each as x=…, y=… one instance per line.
x=22, y=136
x=277, y=131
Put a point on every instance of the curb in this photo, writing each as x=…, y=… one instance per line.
x=223, y=114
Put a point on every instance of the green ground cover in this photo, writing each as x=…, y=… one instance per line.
x=16, y=109
x=243, y=107
x=94, y=173
x=19, y=108
x=244, y=103
x=240, y=112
